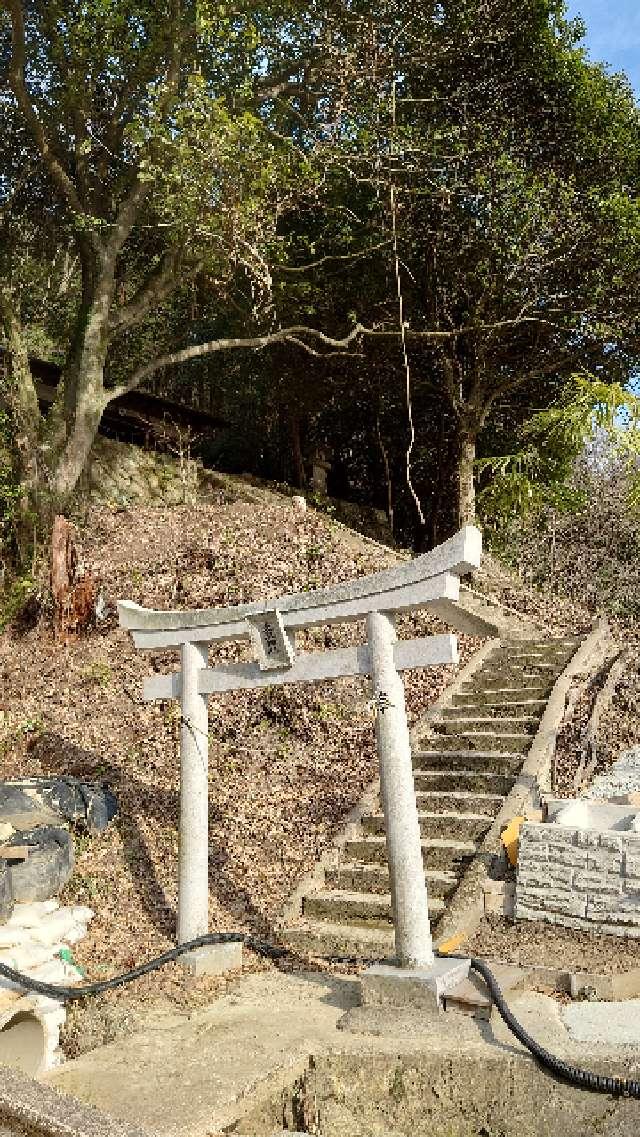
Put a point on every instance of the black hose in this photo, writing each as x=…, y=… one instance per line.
x=617, y=1087
x=68, y=994
x=584, y=1079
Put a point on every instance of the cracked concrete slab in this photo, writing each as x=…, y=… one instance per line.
x=185, y=1075
x=237, y=1061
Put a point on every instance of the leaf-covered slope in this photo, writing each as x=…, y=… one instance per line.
x=286, y=764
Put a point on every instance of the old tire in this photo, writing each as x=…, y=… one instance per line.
x=48, y=866
x=29, y=802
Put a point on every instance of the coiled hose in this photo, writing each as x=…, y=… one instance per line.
x=584, y=1079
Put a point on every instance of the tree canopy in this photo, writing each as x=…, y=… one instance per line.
x=418, y=215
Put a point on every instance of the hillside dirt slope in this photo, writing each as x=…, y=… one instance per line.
x=286, y=764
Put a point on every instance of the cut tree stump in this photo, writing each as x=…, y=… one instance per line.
x=74, y=592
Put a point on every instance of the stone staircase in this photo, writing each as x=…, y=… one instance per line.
x=465, y=764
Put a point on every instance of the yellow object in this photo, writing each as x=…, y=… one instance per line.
x=451, y=944
x=510, y=838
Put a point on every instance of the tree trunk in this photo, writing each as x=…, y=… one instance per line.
x=83, y=395
x=74, y=597
x=25, y=421
x=299, y=474
x=466, y=486
x=74, y=454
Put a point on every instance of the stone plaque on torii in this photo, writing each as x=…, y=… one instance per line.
x=428, y=582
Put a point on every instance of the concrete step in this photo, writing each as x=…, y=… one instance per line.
x=551, y=641
x=474, y=780
x=357, y=907
x=441, y=854
x=349, y=877
x=463, y=801
x=558, y=647
x=507, y=697
x=322, y=938
x=537, y=651
x=504, y=690
x=452, y=826
x=491, y=688
x=483, y=740
x=509, y=676
x=487, y=761
x=543, y=660
x=539, y=667
x=524, y=708
x=497, y=724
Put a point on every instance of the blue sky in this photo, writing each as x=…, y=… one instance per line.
x=613, y=33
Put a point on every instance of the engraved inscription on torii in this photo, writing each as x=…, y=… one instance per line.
x=431, y=581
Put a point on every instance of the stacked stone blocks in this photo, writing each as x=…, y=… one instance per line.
x=580, y=878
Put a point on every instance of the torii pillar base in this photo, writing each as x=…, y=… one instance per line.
x=212, y=959
x=423, y=988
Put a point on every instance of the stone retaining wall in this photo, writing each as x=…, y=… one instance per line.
x=580, y=878
x=123, y=475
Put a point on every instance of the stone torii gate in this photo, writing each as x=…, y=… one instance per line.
x=430, y=581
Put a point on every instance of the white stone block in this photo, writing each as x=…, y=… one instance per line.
x=612, y=841
x=527, y=911
x=587, y=839
x=568, y=904
x=213, y=959
x=604, y=859
x=544, y=876
x=561, y=855
x=533, y=833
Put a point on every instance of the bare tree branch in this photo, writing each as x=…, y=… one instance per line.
x=155, y=289
x=295, y=335
x=254, y=343
x=292, y=269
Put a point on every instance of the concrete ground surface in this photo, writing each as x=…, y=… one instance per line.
x=187, y=1074
x=612, y=1024
x=234, y=1063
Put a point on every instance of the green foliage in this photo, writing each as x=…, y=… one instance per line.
x=589, y=413
x=14, y=598
x=589, y=405
x=523, y=483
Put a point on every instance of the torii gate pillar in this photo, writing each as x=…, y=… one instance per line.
x=409, y=900
x=193, y=857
